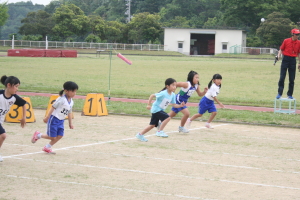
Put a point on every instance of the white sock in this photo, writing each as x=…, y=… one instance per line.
x=48, y=146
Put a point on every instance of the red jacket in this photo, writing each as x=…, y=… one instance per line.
x=290, y=47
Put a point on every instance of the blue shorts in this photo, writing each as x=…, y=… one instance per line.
x=2, y=130
x=161, y=115
x=177, y=110
x=55, y=127
x=206, y=105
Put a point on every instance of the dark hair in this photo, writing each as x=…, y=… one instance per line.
x=69, y=85
x=215, y=76
x=168, y=81
x=190, y=77
x=11, y=79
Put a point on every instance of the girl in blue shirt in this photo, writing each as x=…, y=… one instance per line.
x=165, y=97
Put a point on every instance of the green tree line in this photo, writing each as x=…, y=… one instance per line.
x=107, y=20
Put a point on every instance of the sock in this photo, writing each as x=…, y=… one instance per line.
x=48, y=146
x=140, y=134
x=39, y=135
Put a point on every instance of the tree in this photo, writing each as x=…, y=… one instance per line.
x=97, y=25
x=114, y=31
x=178, y=21
x=144, y=27
x=37, y=23
x=69, y=21
x=3, y=13
x=275, y=29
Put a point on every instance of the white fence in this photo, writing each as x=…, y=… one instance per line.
x=261, y=50
x=82, y=45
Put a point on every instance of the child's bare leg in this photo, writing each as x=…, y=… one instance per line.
x=2, y=138
x=186, y=114
x=172, y=114
x=195, y=116
x=212, y=116
x=53, y=139
x=148, y=128
x=164, y=123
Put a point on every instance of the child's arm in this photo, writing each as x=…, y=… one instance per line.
x=182, y=84
x=23, y=120
x=221, y=105
x=178, y=105
x=70, y=121
x=150, y=101
x=49, y=114
x=200, y=94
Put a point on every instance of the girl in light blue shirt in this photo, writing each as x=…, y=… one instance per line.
x=164, y=98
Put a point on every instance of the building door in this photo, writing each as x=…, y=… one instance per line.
x=203, y=44
x=180, y=47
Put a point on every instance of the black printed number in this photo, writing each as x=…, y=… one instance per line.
x=91, y=103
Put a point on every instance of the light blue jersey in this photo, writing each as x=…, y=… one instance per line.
x=163, y=99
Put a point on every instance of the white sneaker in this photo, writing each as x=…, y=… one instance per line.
x=207, y=125
x=188, y=123
x=182, y=129
x=1, y=159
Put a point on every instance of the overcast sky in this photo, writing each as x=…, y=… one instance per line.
x=44, y=2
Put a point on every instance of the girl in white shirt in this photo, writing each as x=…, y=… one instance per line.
x=207, y=102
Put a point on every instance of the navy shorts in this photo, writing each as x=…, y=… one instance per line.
x=206, y=105
x=55, y=127
x=2, y=130
x=161, y=115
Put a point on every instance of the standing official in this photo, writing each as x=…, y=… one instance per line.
x=290, y=48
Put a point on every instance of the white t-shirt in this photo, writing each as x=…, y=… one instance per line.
x=212, y=92
x=62, y=107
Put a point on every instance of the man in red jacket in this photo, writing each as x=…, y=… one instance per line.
x=290, y=48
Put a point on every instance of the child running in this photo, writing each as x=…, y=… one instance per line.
x=165, y=97
x=186, y=91
x=207, y=102
x=61, y=108
x=8, y=97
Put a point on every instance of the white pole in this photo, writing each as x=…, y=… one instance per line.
x=46, y=43
x=13, y=42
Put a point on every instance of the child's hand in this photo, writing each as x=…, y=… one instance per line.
x=205, y=89
x=148, y=107
x=23, y=122
x=182, y=104
x=45, y=119
x=221, y=105
x=71, y=126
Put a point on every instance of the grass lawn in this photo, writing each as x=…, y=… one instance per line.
x=245, y=81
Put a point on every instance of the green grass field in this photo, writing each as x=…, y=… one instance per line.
x=245, y=81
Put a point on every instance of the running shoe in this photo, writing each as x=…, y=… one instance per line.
x=182, y=129
x=290, y=97
x=141, y=137
x=48, y=150
x=35, y=137
x=188, y=123
x=278, y=96
x=207, y=125
x=161, y=134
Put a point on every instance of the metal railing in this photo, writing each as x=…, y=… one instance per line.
x=82, y=45
x=261, y=50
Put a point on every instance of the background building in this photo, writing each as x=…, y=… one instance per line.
x=202, y=41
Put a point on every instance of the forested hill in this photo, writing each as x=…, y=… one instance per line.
x=247, y=15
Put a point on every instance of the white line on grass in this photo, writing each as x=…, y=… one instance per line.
x=97, y=143
x=105, y=187
x=162, y=174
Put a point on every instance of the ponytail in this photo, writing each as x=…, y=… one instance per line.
x=61, y=92
x=215, y=76
x=12, y=80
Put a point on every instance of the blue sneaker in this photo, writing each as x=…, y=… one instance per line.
x=161, y=134
x=278, y=96
x=141, y=137
x=290, y=97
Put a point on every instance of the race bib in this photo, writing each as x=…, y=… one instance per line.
x=164, y=104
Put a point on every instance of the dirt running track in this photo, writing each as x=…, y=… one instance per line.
x=102, y=159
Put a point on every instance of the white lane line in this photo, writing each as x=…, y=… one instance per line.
x=163, y=174
x=106, y=187
x=196, y=162
x=97, y=143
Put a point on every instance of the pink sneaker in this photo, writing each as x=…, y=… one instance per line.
x=48, y=150
x=208, y=126
x=35, y=137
